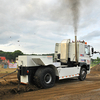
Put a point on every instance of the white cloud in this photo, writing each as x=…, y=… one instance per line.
x=39, y=24
x=91, y=36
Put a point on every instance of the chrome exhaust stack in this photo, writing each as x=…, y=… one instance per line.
x=76, y=49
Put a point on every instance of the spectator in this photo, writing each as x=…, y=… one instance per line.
x=12, y=61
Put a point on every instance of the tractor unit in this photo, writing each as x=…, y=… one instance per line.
x=71, y=59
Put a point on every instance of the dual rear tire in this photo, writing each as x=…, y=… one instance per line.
x=44, y=77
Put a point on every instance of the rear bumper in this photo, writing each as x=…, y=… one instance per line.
x=26, y=74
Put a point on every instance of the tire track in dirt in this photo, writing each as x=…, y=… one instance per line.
x=60, y=92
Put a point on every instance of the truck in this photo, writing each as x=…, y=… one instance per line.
x=71, y=60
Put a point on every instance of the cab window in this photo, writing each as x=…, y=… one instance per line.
x=87, y=50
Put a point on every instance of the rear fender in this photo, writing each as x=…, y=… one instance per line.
x=54, y=68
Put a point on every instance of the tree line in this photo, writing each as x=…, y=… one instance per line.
x=11, y=55
x=16, y=53
x=95, y=61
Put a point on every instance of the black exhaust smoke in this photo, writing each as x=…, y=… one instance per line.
x=74, y=4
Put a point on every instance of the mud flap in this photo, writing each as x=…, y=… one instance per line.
x=24, y=79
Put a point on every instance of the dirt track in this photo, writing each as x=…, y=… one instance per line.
x=69, y=89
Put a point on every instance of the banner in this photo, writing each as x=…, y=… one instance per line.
x=11, y=65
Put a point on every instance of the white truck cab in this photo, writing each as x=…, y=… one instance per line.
x=43, y=71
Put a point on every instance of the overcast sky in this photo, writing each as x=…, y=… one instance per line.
x=34, y=26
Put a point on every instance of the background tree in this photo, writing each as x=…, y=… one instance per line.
x=16, y=54
x=11, y=55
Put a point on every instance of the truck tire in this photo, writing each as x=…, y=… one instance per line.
x=82, y=75
x=18, y=76
x=44, y=77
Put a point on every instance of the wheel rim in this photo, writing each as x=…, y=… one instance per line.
x=83, y=74
x=47, y=78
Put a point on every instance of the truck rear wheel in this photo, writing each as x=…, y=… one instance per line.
x=82, y=75
x=44, y=77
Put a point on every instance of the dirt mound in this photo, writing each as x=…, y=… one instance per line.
x=11, y=87
x=27, y=88
x=96, y=68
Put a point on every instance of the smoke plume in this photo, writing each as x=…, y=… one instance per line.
x=74, y=5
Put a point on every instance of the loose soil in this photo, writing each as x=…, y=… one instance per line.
x=69, y=89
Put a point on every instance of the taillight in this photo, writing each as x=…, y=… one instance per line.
x=27, y=71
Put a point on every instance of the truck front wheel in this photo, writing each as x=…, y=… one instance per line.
x=44, y=77
x=82, y=75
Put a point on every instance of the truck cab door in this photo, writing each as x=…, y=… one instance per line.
x=87, y=53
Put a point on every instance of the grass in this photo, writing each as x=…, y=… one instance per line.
x=92, y=65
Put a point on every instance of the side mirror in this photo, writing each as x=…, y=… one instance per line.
x=92, y=49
